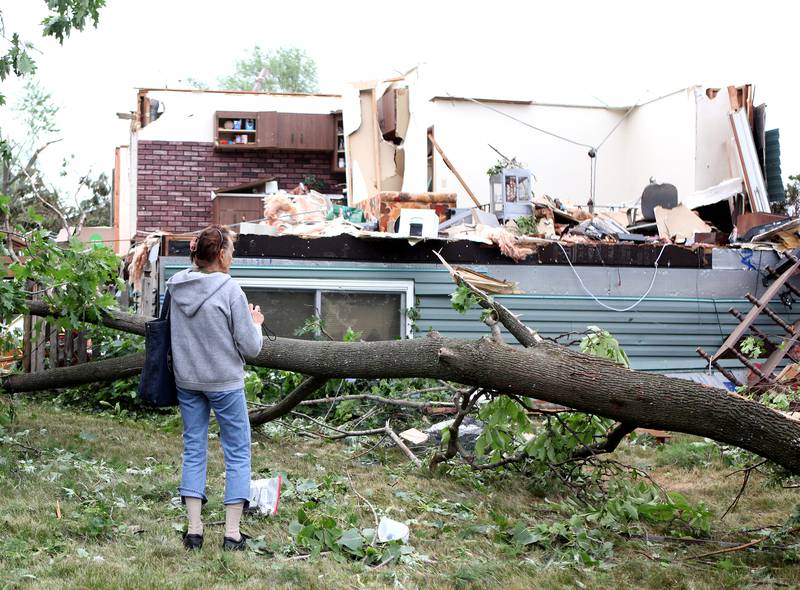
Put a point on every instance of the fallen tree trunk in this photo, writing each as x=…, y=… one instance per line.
x=92, y=372
x=543, y=371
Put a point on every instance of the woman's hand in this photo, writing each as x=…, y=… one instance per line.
x=255, y=313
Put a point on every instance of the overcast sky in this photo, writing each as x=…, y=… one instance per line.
x=596, y=52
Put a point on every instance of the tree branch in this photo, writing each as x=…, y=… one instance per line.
x=406, y=451
x=283, y=407
x=401, y=403
x=609, y=445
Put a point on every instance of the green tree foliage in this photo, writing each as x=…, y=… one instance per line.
x=286, y=69
x=22, y=179
x=791, y=206
x=63, y=17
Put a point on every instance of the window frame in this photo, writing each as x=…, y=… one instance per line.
x=403, y=287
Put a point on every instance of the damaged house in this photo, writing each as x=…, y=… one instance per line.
x=636, y=212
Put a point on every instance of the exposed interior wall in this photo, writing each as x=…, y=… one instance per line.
x=716, y=158
x=682, y=138
x=464, y=131
x=361, y=144
x=189, y=116
x=374, y=164
x=659, y=142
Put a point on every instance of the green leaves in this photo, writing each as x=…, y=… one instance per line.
x=753, y=347
x=527, y=225
x=352, y=540
x=65, y=15
x=17, y=59
x=462, y=299
x=505, y=421
x=68, y=15
x=288, y=69
x=601, y=343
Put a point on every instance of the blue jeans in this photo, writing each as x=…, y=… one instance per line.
x=230, y=410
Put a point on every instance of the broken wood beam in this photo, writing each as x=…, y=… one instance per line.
x=777, y=355
x=773, y=274
x=740, y=316
x=452, y=168
x=736, y=335
x=725, y=372
x=749, y=364
x=772, y=315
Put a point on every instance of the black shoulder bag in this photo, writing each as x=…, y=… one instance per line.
x=157, y=383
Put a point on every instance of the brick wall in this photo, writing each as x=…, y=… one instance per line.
x=175, y=179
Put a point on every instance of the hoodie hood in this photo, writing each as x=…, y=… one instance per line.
x=190, y=289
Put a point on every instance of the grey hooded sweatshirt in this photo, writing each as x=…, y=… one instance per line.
x=212, y=331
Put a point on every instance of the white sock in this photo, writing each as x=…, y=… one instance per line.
x=193, y=508
x=233, y=514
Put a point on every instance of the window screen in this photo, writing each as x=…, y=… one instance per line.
x=376, y=315
x=284, y=311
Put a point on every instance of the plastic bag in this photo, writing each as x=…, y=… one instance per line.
x=265, y=495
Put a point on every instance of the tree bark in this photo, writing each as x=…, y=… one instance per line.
x=546, y=371
x=133, y=324
x=93, y=372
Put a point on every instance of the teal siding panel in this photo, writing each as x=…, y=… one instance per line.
x=658, y=335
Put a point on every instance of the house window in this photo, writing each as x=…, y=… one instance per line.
x=376, y=309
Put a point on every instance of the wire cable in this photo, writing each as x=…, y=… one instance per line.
x=534, y=127
x=592, y=295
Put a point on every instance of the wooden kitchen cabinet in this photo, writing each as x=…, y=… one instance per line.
x=236, y=130
x=274, y=130
x=298, y=131
x=267, y=129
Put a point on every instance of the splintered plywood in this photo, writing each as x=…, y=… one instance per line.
x=392, y=162
x=363, y=150
x=375, y=164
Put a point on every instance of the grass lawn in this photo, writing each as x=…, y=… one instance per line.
x=86, y=502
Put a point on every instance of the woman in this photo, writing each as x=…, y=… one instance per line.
x=213, y=329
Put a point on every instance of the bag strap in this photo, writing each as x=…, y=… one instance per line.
x=165, y=306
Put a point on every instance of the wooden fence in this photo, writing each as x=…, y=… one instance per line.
x=45, y=345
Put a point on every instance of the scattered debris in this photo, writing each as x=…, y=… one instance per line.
x=679, y=224
x=265, y=495
x=414, y=436
x=391, y=530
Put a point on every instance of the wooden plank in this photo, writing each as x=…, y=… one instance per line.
x=27, y=326
x=53, y=352
x=449, y=164
x=780, y=351
x=769, y=294
x=80, y=345
x=38, y=345
x=733, y=97
x=69, y=335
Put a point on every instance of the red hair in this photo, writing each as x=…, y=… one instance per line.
x=205, y=248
